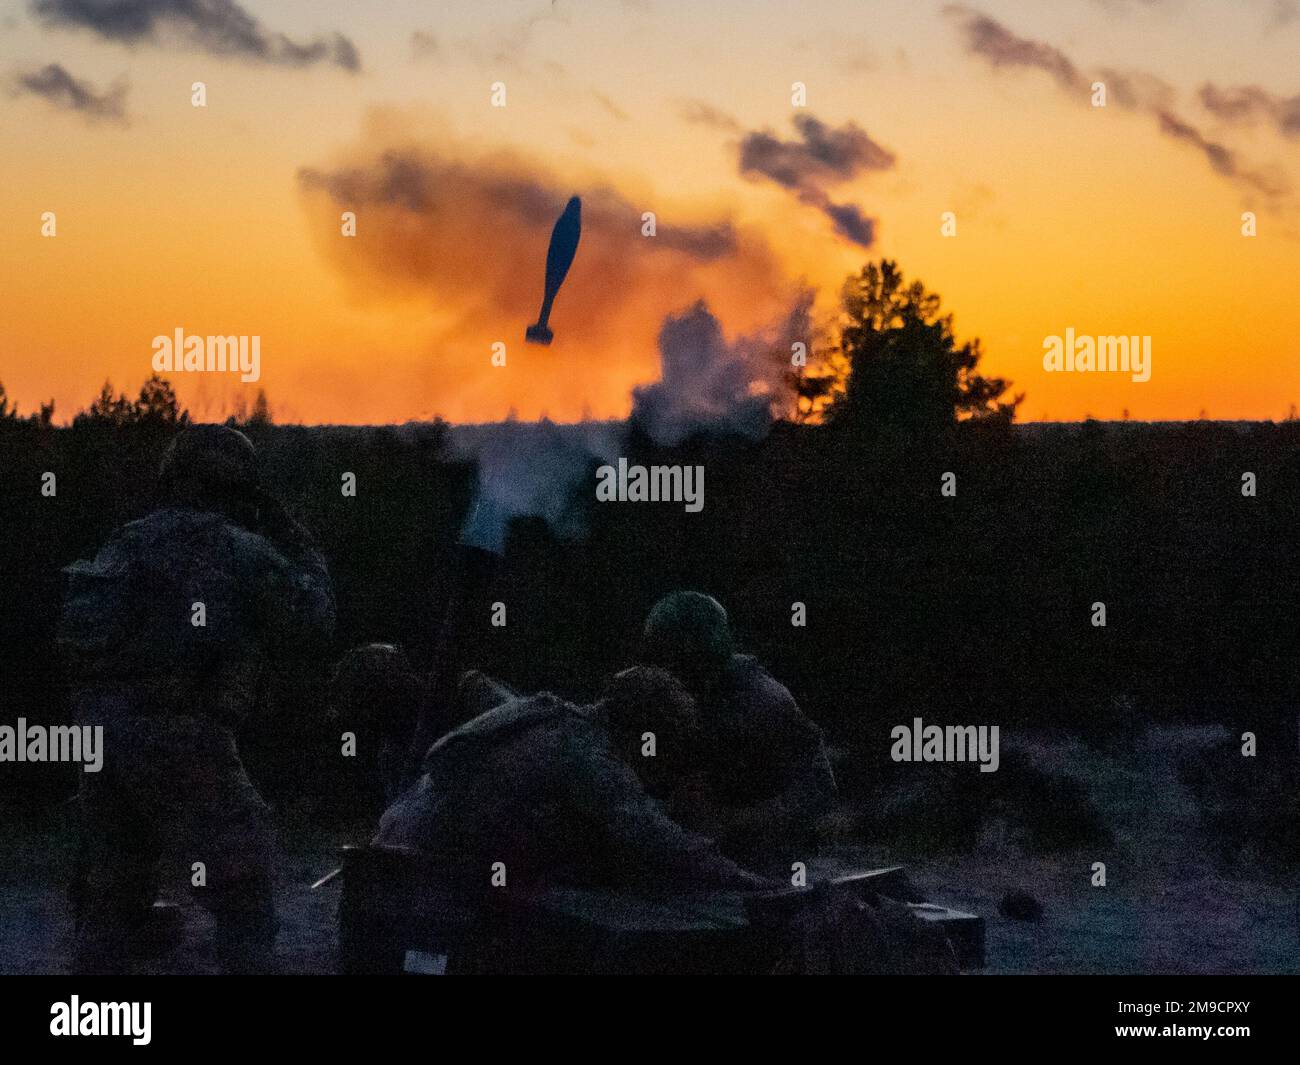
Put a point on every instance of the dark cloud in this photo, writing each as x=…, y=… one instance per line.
x=218, y=27
x=1223, y=160
x=421, y=183
x=395, y=179
x=1248, y=103
x=1134, y=90
x=55, y=84
x=703, y=243
x=821, y=157
x=991, y=40
x=1001, y=48
x=851, y=223
x=1219, y=157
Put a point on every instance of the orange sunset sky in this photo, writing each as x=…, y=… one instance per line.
x=1123, y=219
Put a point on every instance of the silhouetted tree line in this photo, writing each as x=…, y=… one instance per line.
x=10, y=417
x=970, y=609
x=896, y=365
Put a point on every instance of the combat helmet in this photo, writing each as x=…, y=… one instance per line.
x=688, y=633
x=209, y=467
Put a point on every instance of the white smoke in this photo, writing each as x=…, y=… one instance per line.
x=707, y=385
x=531, y=469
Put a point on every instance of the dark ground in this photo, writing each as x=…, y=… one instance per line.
x=1168, y=906
x=972, y=610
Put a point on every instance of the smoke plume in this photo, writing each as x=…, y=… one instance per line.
x=464, y=233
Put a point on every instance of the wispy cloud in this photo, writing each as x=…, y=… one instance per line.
x=217, y=27
x=1221, y=159
x=699, y=113
x=423, y=183
x=1137, y=91
x=54, y=84
x=989, y=39
x=820, y=157
x=1250, y=103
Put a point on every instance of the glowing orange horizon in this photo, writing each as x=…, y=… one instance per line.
x=1068, y=218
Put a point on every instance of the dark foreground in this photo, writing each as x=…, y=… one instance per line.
x=1168, y=907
